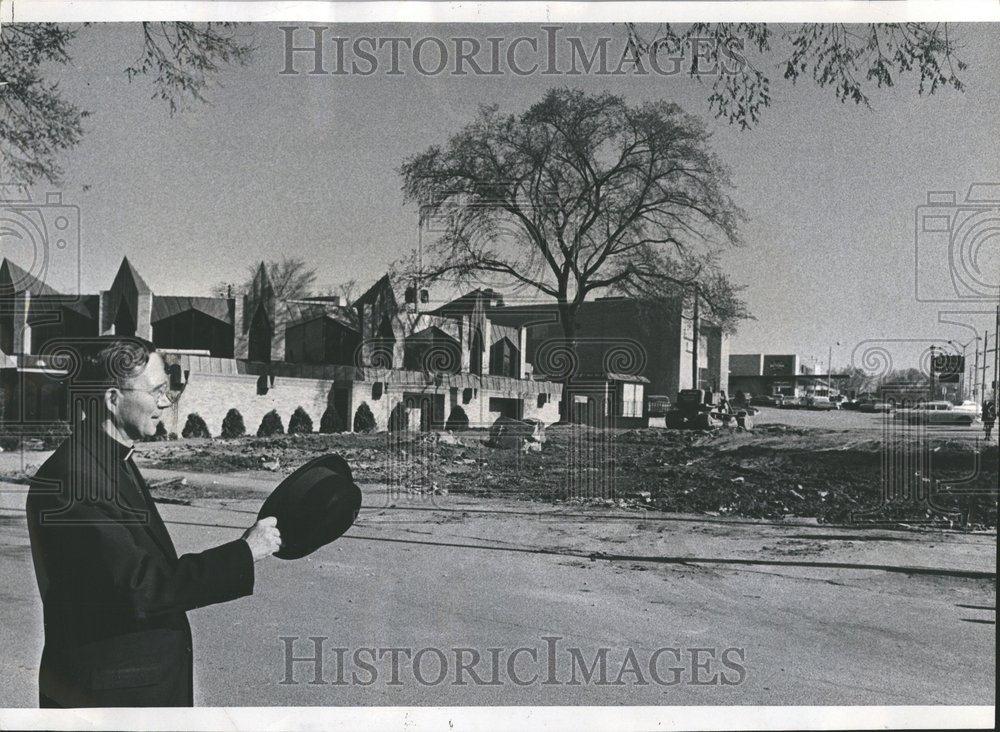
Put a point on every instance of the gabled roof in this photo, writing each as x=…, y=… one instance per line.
x=298, y=311
x=370, y=294
x=468, y=302
x=42, y=307
x=167, y=306
x=430, y=333
x=15, y=280
x=128, y=274
x=261, y=285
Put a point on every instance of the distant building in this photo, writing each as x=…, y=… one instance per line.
x=626, y=350
x=778, y=375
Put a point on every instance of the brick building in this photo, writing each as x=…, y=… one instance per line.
x=627, y=350
x=779, y=375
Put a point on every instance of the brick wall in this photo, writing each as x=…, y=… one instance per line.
x=212, y=395
x=214, y=387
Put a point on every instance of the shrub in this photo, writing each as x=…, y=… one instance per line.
x=271, y=425
x=194, y=427
x=232, y=425
x=364, y=420
x=161, y=433
x=457, y=420
x=332, y=421
x=398, y=418
x=300, y=423
x=54, y=434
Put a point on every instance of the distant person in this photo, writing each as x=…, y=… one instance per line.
x=989, y=416
x=114, y=592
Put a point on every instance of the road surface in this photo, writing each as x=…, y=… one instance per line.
x=446, y=577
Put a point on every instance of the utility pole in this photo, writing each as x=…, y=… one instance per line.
x=975, y=374
x=933, y=393
x=982, y=380
x=694, y=342
x=996, y=349
x=829, y=368
x=829, y=359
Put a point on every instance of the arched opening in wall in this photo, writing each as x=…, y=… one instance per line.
x=261, y=332
x=384, y=346
x=476, y=353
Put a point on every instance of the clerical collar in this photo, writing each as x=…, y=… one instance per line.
x=123, y=451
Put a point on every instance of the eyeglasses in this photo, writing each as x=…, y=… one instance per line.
x=161, y=393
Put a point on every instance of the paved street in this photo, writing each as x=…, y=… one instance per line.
x=457, y=573
x=846, y=419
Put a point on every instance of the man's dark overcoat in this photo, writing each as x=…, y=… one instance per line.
x=114, y=591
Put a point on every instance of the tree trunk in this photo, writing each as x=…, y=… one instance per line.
x=567, y=319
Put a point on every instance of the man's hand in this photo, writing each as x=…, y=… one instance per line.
x=263, y=537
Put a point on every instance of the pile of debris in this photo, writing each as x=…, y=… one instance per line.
x=526, y=435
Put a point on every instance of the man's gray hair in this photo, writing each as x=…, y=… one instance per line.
x=113, y=361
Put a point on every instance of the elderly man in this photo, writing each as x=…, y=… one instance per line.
x=114, y=591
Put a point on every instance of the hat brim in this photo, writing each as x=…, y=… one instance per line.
x=314, y=506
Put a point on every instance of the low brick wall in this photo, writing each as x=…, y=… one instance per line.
x=212, y=395
x=220, y=387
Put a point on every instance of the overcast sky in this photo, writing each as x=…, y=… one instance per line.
x=308, y=166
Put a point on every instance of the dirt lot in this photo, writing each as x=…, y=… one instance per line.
x=835, y=476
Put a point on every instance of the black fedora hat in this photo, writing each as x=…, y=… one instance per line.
x=314, y=505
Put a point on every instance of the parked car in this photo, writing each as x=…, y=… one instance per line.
x=938, y=413
x=818, y=403
x=874, y=405
x=766, y=400
x=789, y=402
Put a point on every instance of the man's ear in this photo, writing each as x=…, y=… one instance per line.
x=111, y=400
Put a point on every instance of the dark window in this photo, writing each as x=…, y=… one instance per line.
x=384, y=345
x=124, y=322
x=476, y=353
x=261, y=333
x=432, y=351
x=504, y=359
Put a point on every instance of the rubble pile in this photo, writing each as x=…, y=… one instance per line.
x=772, y=473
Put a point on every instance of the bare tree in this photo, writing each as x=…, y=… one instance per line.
x=852, y=59
x=581, y=193
x=291, y=278
x=38, y=124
